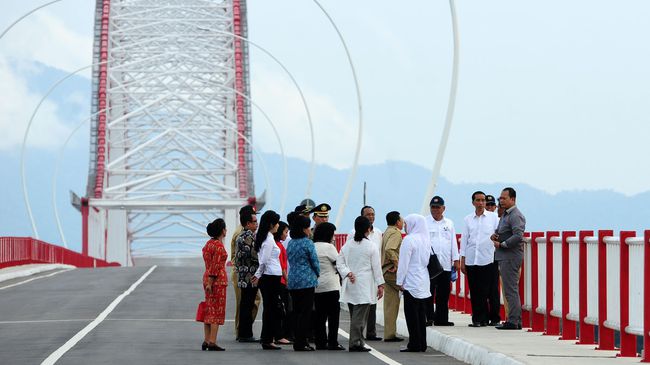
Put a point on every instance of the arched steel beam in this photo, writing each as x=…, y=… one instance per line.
x=450, y=114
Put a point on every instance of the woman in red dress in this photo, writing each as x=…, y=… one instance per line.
x=215, y=283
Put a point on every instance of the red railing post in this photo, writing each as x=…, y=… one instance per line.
x=587, y=332
x=525, y=315
x=568, y=326
x=605, y=335
x=538, y=319
x=646, y=297
x=84, y=226
x=552, y=323
x=628, y=341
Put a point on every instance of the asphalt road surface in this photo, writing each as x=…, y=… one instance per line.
x=153, y=324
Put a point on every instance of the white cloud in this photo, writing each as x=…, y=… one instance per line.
x=16, y=108
x=45, y=38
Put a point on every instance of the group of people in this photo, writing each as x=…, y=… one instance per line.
x=303, y=279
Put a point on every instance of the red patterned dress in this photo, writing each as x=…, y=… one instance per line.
x=215, y=256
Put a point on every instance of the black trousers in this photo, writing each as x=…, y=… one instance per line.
x=440, y=288
x=303, y=301
x=327, y=310
x=271, y=287
x=371, y=325
x=246, y=303
x=288, y=320
x=494, y=297
x=478, y=278
x=415, y=315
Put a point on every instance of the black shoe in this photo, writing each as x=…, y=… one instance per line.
x=442, y=324
x=336, y=347
x=429, y=323
x=373, y=338
x=474, y=324
x=303, y=348
x=204, y=346
x=508, y=326
x=493, y=323
x=270, y=346
x=359, y=349
x=214, y=347
x=249, y=339
x=406, y=349
x=396, y=339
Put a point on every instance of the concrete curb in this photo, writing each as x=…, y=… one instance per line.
x=455, y=347
x=16, y=272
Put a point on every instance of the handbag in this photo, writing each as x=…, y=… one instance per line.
x=200, y=312
x=434, y=266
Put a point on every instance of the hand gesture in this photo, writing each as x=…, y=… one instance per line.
x=351, y=277
x=380, y=291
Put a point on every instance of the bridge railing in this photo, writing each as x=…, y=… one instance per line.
x=573, y=283
x=26, y=250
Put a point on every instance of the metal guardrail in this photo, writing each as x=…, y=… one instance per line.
x=26, y=250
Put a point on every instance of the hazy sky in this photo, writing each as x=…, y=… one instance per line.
x=553, y=94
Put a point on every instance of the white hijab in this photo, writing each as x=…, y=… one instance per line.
x=416, y=230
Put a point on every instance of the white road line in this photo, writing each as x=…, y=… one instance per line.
x=47, y=321
x=373, y=352
x=56, y=355
x=32, y=279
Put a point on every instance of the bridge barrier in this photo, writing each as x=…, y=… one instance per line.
x=574, y=282
x=26, y=250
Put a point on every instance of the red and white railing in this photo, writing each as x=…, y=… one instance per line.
x=581, y=280
x=26, y=250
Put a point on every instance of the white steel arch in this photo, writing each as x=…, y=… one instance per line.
x=170, y=152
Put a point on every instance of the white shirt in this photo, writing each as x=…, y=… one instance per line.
x=374, y=236
x=269, y=258
x=362, y=259
x=412, y=273
x=329, y=277
x=443, y=240
x=475, y=243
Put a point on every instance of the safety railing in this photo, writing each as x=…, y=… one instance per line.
x=26, y=250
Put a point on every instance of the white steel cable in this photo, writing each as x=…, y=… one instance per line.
x=25, y=16
x=355, y=163
x=450, y=114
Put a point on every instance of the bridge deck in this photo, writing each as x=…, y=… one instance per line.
x=152, y=325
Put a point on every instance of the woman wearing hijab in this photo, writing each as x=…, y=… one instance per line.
x=269, y=275
x=359, y=265
x=303, y=278
x=215, y=282
x=413, y=280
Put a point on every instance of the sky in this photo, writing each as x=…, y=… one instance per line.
x=552, y=94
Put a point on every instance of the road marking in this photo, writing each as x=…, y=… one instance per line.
x=373, y=352
x=56, y=355
x=47, y=321
x=32, y=279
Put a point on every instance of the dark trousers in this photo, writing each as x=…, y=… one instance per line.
x=440, y=288
x=371, y=325
x=478, y=278
x=509, y=270
x=494, y=299
x=271, y=318
x=358, y=320
x=327, y=310
x=288, y=320
x=303, y=301
x=415, y=315
x=246, y=303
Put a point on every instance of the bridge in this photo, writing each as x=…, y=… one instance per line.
x=171, y=148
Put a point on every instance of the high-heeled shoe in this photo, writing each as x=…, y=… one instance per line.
x=270, y=346
x=214, y=347
x=204, y=346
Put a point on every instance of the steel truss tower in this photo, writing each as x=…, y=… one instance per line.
x=167, y=153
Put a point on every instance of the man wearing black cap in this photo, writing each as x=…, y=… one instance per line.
x=246, y=211
x=443, y=241
x=494, y=299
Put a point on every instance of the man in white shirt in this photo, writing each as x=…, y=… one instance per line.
x=443, y=241
x=375, y=236
x=477, y=259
